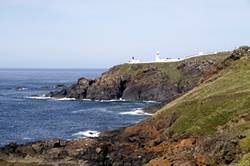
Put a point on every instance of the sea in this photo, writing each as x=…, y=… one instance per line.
x=26, y=115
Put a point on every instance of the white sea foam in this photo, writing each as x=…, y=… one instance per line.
x=39, y=97
x=135, y=112
x=21, y=89
x=151, y=101
x=27, y=138
x=87, y=133
x=78, y=111
x=43, y=97
x=105, y=110
x=113, y=100
x=86, y=99
x=65, y=99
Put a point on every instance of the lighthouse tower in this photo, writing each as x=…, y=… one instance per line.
x=157, y=56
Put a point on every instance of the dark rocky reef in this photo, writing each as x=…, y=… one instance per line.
x=153, y=81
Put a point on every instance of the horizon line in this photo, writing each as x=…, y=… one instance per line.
x=48, y=68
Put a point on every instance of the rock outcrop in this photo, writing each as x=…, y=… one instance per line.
x=153, y=81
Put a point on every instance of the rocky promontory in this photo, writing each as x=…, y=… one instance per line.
x=149, y=81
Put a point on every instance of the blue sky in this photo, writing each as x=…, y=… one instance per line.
x=99, y=34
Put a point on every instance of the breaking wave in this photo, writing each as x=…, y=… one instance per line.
x=39, y=97
x=151, y=101
x=43, y=97
x=87, y=133
x=136, y=112
x=113, y=100
x=105, y=110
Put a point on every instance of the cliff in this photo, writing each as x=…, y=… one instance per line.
x=152, y=81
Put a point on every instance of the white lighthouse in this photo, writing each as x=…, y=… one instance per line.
x=157, y=56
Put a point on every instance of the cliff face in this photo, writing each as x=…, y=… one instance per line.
x=153, y=81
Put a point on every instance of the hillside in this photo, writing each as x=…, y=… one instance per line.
x=216, y=110
x=148, y=81
x=214, y=102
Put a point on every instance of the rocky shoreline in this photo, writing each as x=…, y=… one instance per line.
x=174, y=136
x=128, y=146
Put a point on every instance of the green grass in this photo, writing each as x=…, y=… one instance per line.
x=169, y=68
x=212, y=104
x=206, y=108
x=245, y=143
x=218, y=56
x=245, y=160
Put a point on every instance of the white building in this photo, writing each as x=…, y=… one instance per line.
x=158, y=59
x=201, y=53
x=134, y=61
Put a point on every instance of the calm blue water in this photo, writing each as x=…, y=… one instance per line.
x=24, y=119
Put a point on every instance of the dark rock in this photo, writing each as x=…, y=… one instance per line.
x=105, y=88
x=24, y=150
x=60, y=94
x=141, y=81
x=60, y=86
x=237, y=54
x=56, y=153
x=10, y=148
x=98, y=150
x=157, y=141
x=54, y=143
x=133, y=139
x=38, y=147
x=241, y=136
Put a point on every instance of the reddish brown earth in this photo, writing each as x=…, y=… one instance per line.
x=144, y=143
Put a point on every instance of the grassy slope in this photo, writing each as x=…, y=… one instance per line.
x=169, y=68
x=214, y=103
